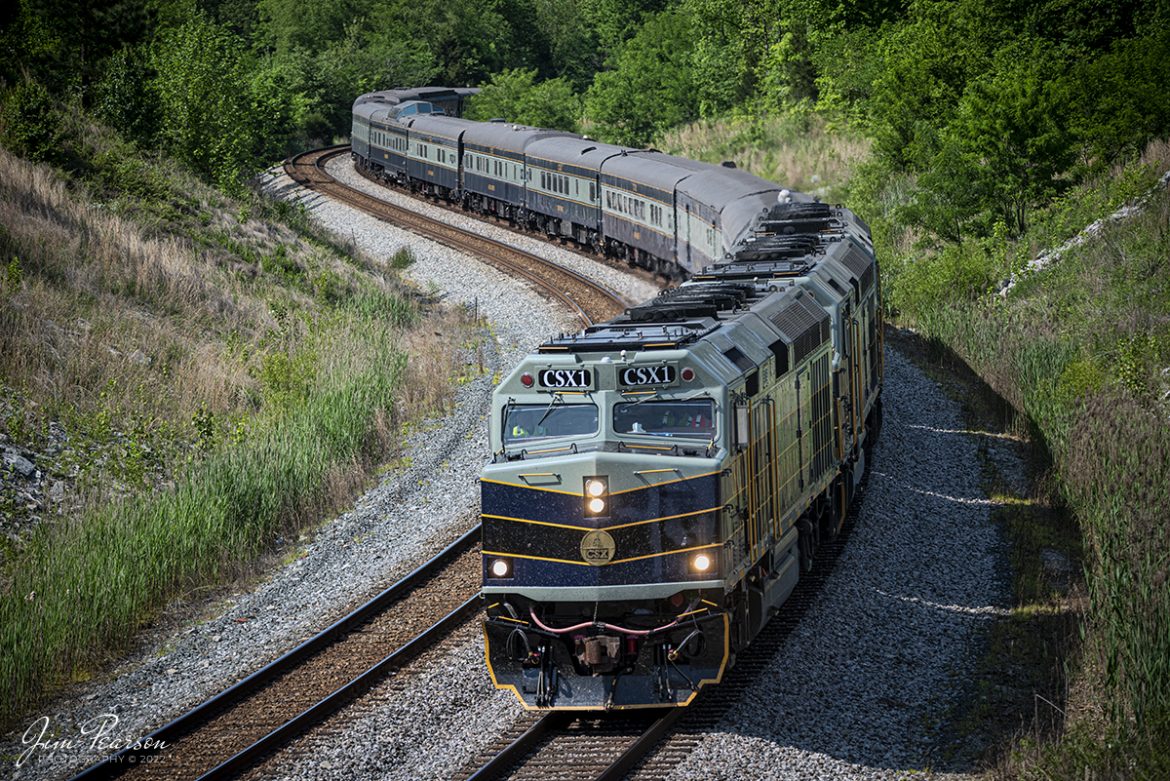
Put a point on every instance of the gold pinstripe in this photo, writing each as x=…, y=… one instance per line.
x=608, y=563
x=581, y=493
x=574, y=527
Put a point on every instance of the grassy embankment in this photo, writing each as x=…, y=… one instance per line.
x=1082, y=350
x=202, y=374
x=802, y=154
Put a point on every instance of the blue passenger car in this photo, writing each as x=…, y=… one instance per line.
x=494, y=172
x=564, y=192
x=433, y=153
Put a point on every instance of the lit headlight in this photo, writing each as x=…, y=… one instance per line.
x=500, y=568
x=596, y=491
x=701, y=562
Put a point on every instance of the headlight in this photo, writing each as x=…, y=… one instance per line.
x=596, y=491
x=702, y=562
x=500, y=568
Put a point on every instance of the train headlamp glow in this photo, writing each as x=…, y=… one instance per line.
x=595, y=491
x=500, y=568
x=701, y=562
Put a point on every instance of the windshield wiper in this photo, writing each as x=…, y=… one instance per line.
x=650, y=397
x=548, y=411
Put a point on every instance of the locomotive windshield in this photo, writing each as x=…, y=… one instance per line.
x=542, y=421
x=666, y=418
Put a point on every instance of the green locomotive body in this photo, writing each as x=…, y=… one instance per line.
x=660, y=481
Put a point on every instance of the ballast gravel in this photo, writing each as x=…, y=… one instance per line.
x=635, y=289
x=861, y=687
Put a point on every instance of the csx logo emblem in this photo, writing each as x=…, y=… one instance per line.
x=597, y=548
x=647, y=375
x=566, y=378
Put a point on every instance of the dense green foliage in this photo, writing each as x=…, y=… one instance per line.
x=515, y=95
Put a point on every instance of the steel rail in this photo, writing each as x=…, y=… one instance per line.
x=515, y=751
x=126, y=759
x=641, y=747
x=308, y=169
x=515, y=754
x=341, y=697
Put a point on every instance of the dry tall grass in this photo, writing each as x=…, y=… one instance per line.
x=805, y=154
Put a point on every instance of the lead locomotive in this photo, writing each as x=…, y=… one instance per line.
x=659, y=482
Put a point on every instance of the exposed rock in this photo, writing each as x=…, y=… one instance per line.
x=21, y=465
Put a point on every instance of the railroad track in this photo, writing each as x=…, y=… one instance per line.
x=559, y=745
x=232, y=731
x=588, y=300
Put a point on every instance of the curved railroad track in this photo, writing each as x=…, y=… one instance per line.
x=232, y=731
x=588, y=300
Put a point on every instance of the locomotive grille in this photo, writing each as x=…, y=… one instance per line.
x=805, y=324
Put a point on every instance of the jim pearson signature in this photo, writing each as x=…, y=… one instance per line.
x=96, y=734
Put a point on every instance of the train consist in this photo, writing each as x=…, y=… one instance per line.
x=659, y=482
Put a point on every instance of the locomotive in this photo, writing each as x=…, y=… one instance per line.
x=660, y=481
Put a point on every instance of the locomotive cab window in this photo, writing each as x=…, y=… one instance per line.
x=666, y=418
x=524, y=422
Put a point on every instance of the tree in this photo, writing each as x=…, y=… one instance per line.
x=205, y=97
x=1015, y=122
x=651, y=89
x=515, y=95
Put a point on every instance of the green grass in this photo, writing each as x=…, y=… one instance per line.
x=80, y=588
x=802, y=153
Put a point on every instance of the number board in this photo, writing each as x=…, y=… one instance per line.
x=645, y=376
x=566, y=378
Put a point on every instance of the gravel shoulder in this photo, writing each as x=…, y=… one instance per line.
x=863, y=687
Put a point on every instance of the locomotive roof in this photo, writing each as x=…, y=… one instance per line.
x=508, y=136
x=711, y=311
x=791, y=241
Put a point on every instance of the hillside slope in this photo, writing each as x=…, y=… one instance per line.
x=159, y=342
